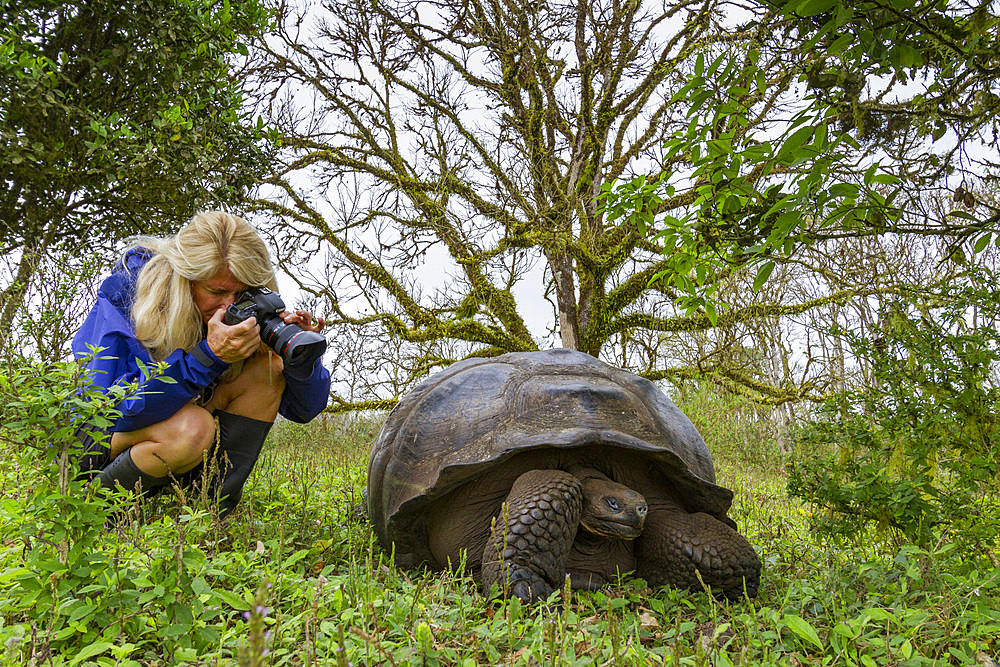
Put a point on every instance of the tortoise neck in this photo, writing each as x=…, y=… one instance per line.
x=584, y=472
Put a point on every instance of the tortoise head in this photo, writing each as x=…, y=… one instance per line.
x=611, y=510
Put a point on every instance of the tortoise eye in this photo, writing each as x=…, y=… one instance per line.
x=613, y=504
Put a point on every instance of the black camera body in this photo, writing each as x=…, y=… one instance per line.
x=298, y=348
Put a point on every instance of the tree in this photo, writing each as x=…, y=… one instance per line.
x=914, y=450
x=907, y=92
x=477, y=138
x=645, y=156
x=863, y=157
x=115, y=119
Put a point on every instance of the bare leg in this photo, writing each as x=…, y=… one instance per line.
x=170, y=447
x=178, y=443
x=529, y=547
x=256, y=392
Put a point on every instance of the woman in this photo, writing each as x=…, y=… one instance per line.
x=165, y=301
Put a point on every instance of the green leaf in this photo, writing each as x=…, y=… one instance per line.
x=302, y=553
x=845, y=631
x=870, y=174
x=879, y=614
x=885, y=179
x=233, y=600
x=183, y=615
x=961, y=655
x=801, y=627
x=82, y=609
x=820, y=141
x=814, y=7
x=90, y=651
x=904, y=55
x=714, y=67
x=682, y=94
x=792, y=143
x=699, y=99
x=839, y=44
x=175, y=630
x=763, y=273
x=785, y=223
x=844, y=190
x=711, y=313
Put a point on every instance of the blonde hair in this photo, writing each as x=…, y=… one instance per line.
x=163, y=312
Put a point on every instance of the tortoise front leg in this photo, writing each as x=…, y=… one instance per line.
x=676, y=547
x=526, y=553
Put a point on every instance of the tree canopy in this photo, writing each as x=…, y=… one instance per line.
x=651, y=161
x=118, y=118
x=477, y=137
x=900, y=102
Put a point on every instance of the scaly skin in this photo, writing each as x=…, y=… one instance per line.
x=527, y=551
x=610, y=510
x=528, y=548
x=676, y=547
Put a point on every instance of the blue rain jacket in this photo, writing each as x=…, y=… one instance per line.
x=109, y=326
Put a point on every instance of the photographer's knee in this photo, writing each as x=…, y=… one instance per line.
x=195, y=431
x=256, y=392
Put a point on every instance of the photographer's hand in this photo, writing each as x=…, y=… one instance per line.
x=232, y=343
x=303, y=319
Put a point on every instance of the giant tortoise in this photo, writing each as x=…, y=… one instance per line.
x=535, y=466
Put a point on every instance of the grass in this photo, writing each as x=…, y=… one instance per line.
x=295, y=578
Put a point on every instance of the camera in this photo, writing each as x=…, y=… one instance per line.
x=298, y=348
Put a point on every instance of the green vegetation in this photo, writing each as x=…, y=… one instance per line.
x=699, y=201
x=914, y=451
x=295, y=577
x=118, y=118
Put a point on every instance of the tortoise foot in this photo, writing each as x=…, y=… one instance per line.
x=528, y=586
x=587, y=582
x=527, y=550
x=696, y=550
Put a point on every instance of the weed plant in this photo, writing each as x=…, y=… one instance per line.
x=294, y=576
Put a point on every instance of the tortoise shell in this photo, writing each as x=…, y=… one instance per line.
x=471, y=418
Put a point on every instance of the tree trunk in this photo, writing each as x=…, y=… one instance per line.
x=12, y=297
x=562, y=273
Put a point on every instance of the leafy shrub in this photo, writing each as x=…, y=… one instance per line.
x=69, y=586
x=915, y=450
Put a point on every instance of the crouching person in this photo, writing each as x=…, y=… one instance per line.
x=165, y=301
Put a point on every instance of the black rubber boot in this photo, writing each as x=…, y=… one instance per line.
x=240, y=441
x=125, y=473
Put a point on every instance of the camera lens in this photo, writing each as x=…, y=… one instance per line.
x=271, y=329
x=297, y=354
x=298, y=348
